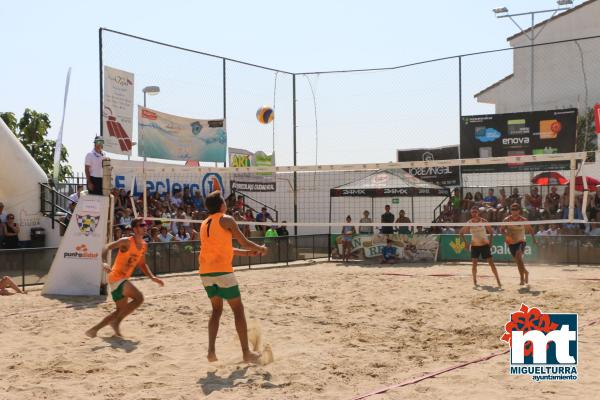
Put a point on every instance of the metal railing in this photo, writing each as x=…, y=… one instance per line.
x=30, y=266
x=261, y=204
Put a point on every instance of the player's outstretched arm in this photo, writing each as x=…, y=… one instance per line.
x=229, y=223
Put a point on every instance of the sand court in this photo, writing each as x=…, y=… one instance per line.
x=335, y=332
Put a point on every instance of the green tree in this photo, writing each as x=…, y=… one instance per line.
x=587, y=139
x=32, y=132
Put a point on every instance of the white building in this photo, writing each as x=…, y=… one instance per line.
x=565, y=75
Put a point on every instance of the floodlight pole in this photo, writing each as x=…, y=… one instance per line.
x=101, y=87
x=531, y=36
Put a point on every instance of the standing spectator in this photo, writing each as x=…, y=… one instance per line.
x=403, y=219
x=365, y=230
x=2, y=223
x=11, y=233
x=248, y=217
x=348, y=231
x=263, y=216
x=282, y=230
x=93, y=167
x=565, y=201
x=387, y=217
x=552, y=202
x=74, y=197
x=270, y=235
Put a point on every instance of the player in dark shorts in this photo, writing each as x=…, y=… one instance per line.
x=514, y=235
x=480, y=243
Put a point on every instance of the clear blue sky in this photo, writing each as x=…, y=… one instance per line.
x=362, y=117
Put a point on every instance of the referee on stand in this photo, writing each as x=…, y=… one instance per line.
x=93, y=167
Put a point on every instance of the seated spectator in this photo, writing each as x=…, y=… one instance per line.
x=2, y=223
x=263, y=216
x=11, y=233
x=564, y=204
x=164, y=235
x=239, y=204
x=198, y=200
x=420, y=230
x=515, y=197
x=248, y=217
x=121, y=201
x=533, y=204
x=593, y=228
x=154, y=233
x=503, y=202
x=127, y=231
x=478, y=199
x=403, y=219
x=282, y=230
x=552, y=202
x=117, y=233
x=126, y=217
x=270, y=235
x=69, y=215
x=448, y=230
x=7, y=283
x=467, y=202
x=490, y=200
x=182, y=235
x=177, y=199
x=230, y=200
x=388, y=253
x=364, y=230
x=187, y=197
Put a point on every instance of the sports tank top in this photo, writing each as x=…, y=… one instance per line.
x=516, y=234
x=216, y=247
x=479, y=235
x=125, y=262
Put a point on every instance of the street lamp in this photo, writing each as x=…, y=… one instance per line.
x=150, y=90
x=502, y=12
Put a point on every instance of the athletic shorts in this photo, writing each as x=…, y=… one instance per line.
x=514, y=248
x=481, y=251
x=116, y=289
x=221, y=284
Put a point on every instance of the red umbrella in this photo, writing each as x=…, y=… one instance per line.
x=591, y=183
x=549, y=178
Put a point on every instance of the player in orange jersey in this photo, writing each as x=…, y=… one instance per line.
x=216, y=270
x=132, y=252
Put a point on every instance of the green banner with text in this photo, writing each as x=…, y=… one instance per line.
x=452, y=248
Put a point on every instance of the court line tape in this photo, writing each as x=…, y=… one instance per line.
x=479, y=276
x=430, y=375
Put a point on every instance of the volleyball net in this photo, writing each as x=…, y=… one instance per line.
x=378, y=197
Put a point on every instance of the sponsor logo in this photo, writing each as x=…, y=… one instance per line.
x=196, y=128
x=211, y=182
x=543, y=346
x=147, y=114
x=458, y=245
x=428, y=156
x=87, y=223
x=120, y=80
x=513, y=141
x=81, y=251
x=550, y=128
x=254, y=186
x=431, y=171
x=354, y=192
x=396, y=191
x=379, y=179
x=486, y=135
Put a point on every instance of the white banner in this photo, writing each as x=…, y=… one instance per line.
x=117, y=115
x=171, y=137
x=252, y=182
x=77, y=266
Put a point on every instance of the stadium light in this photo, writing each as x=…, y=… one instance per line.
x=150, y=90
x=500, y=10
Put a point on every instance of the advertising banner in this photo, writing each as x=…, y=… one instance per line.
x=117, y=113
x=252, y=182
x=77, y=266
x=407, y=247
x=452, y=248
x=171, y=137
x=442, y=176
x=516, y=134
